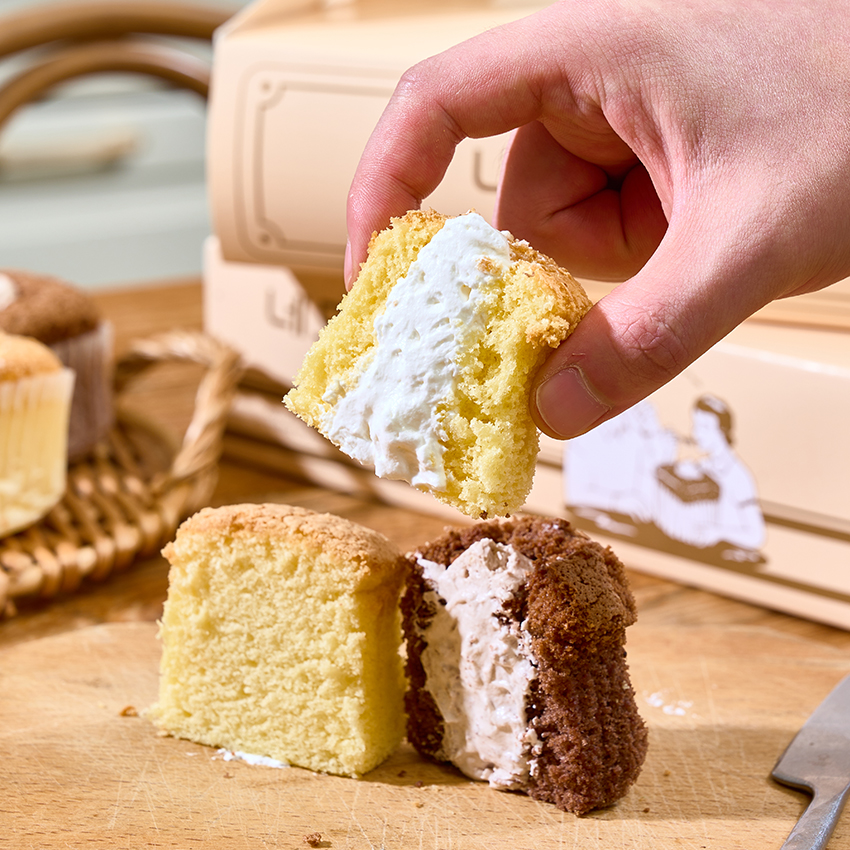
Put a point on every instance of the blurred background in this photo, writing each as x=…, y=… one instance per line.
x=102, y=182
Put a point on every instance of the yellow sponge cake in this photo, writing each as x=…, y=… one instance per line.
x=425, y=372
x=281, y=638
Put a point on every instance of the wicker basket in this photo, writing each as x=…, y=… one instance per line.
x=126, y=499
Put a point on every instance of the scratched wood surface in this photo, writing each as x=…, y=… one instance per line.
x=78, y=770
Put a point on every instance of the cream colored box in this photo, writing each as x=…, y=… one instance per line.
x=297, y=89
x=265, y=312
x=735, y=477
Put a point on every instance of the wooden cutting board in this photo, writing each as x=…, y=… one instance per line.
x=78, y=770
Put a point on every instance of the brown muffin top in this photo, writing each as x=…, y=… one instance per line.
x=364, y=556
x=580, y=585
x=45, y=307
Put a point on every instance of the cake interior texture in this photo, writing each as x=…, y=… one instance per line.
x=281, y=638
x=586, y=741
x=521, y=305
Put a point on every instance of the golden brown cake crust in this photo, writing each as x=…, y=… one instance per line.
x=569, y=299
x=21, y=357
x=47, y=308
x=371, y=558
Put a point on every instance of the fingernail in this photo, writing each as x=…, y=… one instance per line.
x=567, y=405
x=346, y=269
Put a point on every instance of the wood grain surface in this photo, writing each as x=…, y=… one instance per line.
x=79, y=770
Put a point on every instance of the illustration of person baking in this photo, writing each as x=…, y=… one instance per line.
x=611, y=471
x=712, y=500
x=632, y=474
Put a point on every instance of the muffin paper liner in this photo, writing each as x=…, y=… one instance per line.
x=92, y=410
x=34, y=414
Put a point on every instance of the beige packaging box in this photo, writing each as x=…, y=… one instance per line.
x=735, y=477
x=297, y=89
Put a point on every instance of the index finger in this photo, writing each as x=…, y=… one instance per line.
x=469, y=91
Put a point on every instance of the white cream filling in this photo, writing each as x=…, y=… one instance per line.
x=390, y=419
x=8, y=291
x=479, y=668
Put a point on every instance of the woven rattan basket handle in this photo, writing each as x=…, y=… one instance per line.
x=98, y=19
x=188, y=484
x=79, y=39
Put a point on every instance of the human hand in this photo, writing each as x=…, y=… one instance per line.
x=700, y=151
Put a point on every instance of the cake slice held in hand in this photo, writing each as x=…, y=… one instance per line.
x=425, y=372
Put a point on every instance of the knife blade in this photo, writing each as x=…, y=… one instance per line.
x=818, y=760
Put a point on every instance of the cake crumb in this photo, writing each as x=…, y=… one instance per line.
x=486, y=266
x=129, y=711
x=314, y=839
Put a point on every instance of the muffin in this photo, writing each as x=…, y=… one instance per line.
x=281, y=638
x=67, y=320
x=35, y=402
x=425, y=372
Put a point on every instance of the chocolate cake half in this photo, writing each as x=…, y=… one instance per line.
x=517, y=669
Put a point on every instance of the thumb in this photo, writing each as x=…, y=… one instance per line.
x=644, y=333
